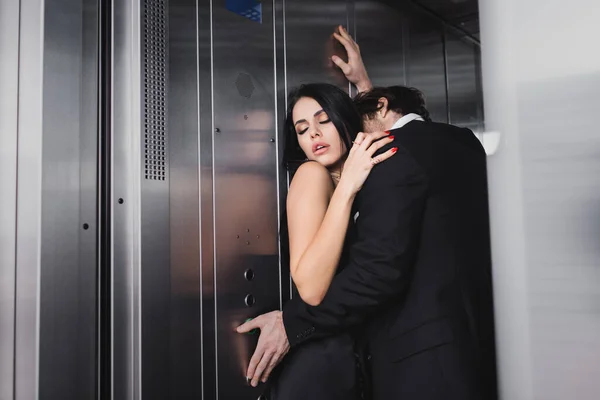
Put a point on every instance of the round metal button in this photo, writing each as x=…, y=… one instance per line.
x=249, y=274
x=249, y=300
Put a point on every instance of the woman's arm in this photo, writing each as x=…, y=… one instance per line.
x=318, y=214
x=318, y=219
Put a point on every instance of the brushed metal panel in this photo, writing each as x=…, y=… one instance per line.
x=205, y=148
x=154, y=196
x=126, y=175
x=309, y=26
x=185, y=357
x=68, y=268
x=245, y=186
x=464, y=89
x=380, y=35
x=29, y=199
x=426, y=63
x=9, y=79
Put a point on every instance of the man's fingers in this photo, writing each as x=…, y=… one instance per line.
x=262, y=366
x=349, y=45
x=249, y=325
x=347, y=36
x=254, y=361
x=341, y=64
x=270, y=367
x=345, y=42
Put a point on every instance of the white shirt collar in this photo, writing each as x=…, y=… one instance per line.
x=406, y=119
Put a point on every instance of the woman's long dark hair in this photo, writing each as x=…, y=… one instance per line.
x=339, y=108
x=343, y=114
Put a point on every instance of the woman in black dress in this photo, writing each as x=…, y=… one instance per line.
x=332, y=164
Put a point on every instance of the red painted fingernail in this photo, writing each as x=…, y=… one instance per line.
x=391, y=137
x=387, y=132
x=394, y=149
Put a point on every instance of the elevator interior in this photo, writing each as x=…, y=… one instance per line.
x=147, y=182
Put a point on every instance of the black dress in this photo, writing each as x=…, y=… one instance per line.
x=326, y=369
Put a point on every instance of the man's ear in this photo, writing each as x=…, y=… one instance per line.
x=382, y=107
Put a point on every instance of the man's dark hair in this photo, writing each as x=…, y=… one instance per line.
x=401, y=99
x=339, y=108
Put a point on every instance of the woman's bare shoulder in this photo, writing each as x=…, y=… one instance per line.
x=311, y=176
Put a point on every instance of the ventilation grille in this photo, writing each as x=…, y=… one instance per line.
x=155, y=89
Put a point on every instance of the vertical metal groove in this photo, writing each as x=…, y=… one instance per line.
x=103, y=223
x=213, y=199
x=277, y=173
x=201, y=277
x=14, y=339
x=285, y=80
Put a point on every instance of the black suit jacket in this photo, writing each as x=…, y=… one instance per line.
x=419, y=275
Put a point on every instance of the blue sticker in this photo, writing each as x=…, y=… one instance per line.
x=251, y=9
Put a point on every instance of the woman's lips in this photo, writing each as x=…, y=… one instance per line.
x=320, y=148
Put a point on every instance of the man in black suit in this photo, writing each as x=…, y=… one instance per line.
x=419, y=277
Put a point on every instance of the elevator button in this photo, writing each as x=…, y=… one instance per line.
x=249, y=274
x=250, y=300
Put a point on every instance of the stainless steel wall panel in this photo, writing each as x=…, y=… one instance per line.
x=309, y=26
x=185, y=361
x=154, y=196
x=245, y=186
x=9, y=79
x=464, y=90
x=379, y=33
x=29, y=199
x=126, y=175
x=426, y=64
x=68, y=235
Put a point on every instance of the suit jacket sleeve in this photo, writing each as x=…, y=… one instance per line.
x=390, y=209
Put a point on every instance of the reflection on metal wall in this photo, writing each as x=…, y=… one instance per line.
x=49, y=130
x=309, y=41
x=67, y=327
x=426, y=64
x=381, y=32
x=465, y=102
x=9, y=80
x=245, y=187
x=125, y=205
x=185, y=334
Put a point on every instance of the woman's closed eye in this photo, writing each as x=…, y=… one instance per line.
x=304, y=129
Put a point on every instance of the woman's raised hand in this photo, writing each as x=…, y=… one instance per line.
x=360, y=159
